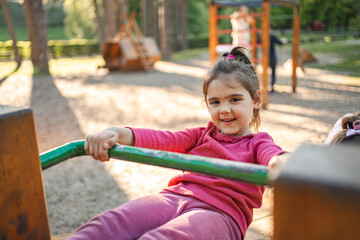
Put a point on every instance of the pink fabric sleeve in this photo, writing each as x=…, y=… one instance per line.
x=180, y=141
x=265, y=148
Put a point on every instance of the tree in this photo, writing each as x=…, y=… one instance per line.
x=110, y=20
x=11, y=30
x=37, y=31
x=99, y=26
x=164, y=28
x=332, y=12
x=80, y=18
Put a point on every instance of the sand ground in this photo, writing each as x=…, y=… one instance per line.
x=68, y=107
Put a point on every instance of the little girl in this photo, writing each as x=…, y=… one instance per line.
x=195, y=206
x=346, y=130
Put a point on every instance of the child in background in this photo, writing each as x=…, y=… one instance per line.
x=240, y=22
x=346, y=130
x=195, y=206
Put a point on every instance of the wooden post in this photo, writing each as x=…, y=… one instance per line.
x=164, y=28
x=23, y=210
x=317, y=194
x=254, y=39
x=144, y=17
x=213, y=34
x=265, y=22
x=295, y=45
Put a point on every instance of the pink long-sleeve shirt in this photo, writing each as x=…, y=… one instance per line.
x=233, y=197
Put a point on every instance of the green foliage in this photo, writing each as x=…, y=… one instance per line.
x=281, y=17
x=58, y=48
x=74, y=47
x=333, y=13
x=16, y=12
x=55, y=14
x=6, y=49
x=197, y=18
x=80, y=19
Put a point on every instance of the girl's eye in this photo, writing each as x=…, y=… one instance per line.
x=214, y=102
x=235, y=100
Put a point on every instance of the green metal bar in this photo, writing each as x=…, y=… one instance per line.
x=62, y=153
x=246, y=172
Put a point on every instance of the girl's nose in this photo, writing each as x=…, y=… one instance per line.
x=225, y=108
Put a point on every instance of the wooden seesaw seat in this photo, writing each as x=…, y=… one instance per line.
x=317, y=192
x=23, y=211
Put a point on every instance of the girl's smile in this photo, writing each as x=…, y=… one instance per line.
x=231, y=107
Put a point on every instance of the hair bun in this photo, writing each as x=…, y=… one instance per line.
x=348, y=120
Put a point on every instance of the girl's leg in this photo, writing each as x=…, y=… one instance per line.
x=197, y=224
x=130, y=220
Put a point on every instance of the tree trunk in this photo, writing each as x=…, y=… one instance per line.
x=11, y=30
x=184, y=25
x=99, y=26
x=110, y=20
x=164, y=28
x=143, y=16
x=37, y=31
x=153, y=7
x=123, y=11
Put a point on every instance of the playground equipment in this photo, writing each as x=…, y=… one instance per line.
x=215, y=48
x=316, y=193
x=130, y=50
x=247, y=172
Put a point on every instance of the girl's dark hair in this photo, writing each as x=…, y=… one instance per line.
x=346, y=124
x=236, y=67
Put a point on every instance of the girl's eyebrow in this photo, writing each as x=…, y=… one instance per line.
x=212, y=98
x=236, y=95
x=231, y=95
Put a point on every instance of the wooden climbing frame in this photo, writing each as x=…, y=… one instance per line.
x=264, y=15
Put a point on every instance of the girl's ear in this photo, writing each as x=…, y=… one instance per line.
x=257, y=99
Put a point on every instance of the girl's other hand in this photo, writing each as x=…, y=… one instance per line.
x=276, y=163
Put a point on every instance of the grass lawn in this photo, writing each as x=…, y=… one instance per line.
x=54, y=33
x=348, y=52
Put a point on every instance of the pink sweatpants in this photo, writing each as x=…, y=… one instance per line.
x=160, y=216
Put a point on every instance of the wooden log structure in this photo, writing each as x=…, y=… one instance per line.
x=130, y=50
x=123, y=54
x=23, y=212
x=317, y=194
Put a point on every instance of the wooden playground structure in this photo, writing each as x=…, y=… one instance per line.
x=316, y=192
x=264, y=29
x=130, y=50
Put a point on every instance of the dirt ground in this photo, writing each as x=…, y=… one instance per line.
x=68, y=107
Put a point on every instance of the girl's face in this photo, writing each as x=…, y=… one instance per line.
x=231, y=108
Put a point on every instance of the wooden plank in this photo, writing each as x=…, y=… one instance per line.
x=295, y=46
x=22, y=201
x=317, y=194
x=265, y=23
x=213, y=34
x=254, y=41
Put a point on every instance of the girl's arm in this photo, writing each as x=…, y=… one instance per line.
x=276, y=162
x=98, y=144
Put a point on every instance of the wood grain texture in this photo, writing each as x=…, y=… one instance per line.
x=22, y=201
